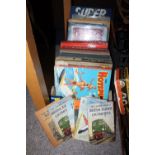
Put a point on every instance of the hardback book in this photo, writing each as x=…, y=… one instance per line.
x=100, y=120
x=91, y=60
x=85, y=58
x=91, y=12
x=88, y=30
x=57, y=120
x=121, y=82
x=84, y=51
x=82, y=81
x=87, y=45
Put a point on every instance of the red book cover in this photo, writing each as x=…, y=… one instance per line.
x=97, y=45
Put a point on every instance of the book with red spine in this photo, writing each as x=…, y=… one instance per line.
x=91, y=45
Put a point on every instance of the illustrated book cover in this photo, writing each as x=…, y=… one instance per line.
x=100, y=121
x=79, y=82
x=88, y=30
x=121, y=82
x=57, y=120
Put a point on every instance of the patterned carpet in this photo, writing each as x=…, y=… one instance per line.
x=38, y=144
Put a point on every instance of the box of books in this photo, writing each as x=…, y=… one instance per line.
x=82, y=80
x=88, y=30
x=57, y=120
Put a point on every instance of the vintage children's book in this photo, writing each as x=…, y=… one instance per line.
x=121, y=82
x=81, y=131
x=100, y=121
x=66, y=59
x=89, y=45
x=79, y=82
x=88, y=30
x=89, y=12
x=86, y=61
x=88, y=52
x=81, y=119
x=57, y=119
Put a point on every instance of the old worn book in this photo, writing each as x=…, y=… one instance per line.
x=121, y=82
x=88, y=29
x=57, y=120
x=100, y=121
x=81, y=81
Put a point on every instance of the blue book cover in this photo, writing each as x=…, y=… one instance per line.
x=90, y=12
x=81, y=82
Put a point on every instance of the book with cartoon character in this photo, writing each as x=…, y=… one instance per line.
x=82, y=81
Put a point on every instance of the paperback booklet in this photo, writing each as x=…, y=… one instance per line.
x=57, y=119
x=95, y=122
x=100, y=121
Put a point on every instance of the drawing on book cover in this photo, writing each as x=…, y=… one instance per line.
x=81, y=82
x=100, y=129
x=54, y=131
x=62, y=114
x=100, y=121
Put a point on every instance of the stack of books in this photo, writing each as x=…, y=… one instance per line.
x=82, y=74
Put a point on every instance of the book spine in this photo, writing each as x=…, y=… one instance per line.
x=83, y=45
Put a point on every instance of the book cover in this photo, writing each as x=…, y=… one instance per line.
x=57, y=120
x=100, y=121
x=85, y=57
x=81, y=118
x=85, y=12
x=97, y=45
x=81, y=82
x=87, y=32
x=84, y=51
x=121, y=82
x=81, y=132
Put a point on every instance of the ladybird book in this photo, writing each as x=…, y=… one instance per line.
x=57, y=119
x=82, y=81
x=81, y=132
x=100, y=121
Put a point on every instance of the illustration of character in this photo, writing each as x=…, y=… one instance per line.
x=81, y=84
